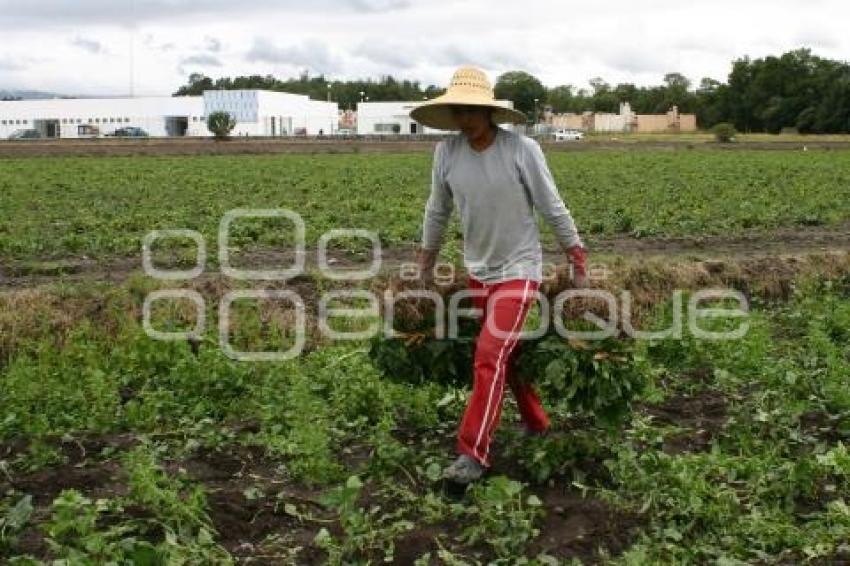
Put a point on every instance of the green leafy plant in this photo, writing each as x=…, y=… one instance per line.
x=299, y=428
x=12, y=520
x=367, y=531
x=83, y=531
x=505, y=517
x=74, y=533
x=180, y=506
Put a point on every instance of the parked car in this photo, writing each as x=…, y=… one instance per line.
x=25, y=135
x=130, y=132
x=568, y=135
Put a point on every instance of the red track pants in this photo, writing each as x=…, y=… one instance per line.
x=505, y=306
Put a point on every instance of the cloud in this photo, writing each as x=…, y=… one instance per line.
x=620, y=41
x=312, y=54
x=212, y=44
x=150, y=41
x=702, y=45
x=90, y=45
x=454, y=55
x=7, y=64
x=632, y=60
x=373, y=6
x=42, y=13
x=22, y=62
x=816, y=38
x=199, y=60
x=389, y=54
x=393, y=56
x=202, y=60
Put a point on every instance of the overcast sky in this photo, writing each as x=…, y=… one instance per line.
x=83, y=46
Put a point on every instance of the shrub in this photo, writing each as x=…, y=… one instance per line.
x=724, y=132
x=221, y=123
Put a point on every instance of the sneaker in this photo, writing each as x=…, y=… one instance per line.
x=464, y=470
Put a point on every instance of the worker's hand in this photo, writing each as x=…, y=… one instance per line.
x=426, y=260
x=578, y=258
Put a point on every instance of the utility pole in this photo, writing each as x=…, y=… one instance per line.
x=132, y=47
x=536, y=116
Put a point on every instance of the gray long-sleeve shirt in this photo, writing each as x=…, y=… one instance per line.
x=496, y=192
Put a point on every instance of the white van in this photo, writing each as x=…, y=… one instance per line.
x=568, y=135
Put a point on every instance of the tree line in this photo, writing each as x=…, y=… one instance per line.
x=345, y=93
x=797, y=90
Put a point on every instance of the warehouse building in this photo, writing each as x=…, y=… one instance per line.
x=393, y=118
x=257, y=113
x=388, y=118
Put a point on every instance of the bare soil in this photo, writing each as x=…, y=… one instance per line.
x=259, y=530
x=577, y=527
x=701, y=416
x=390, y=144
x=784, y=241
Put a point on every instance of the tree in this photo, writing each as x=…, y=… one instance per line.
x=677, y=81
x=345, y=93
x=707, y=85
x=560, y=98
x=710, y=100
x=806, y=120
x=833, y=114
x=795, y=89
x=521, y=88
x=626, y=92
x=599, y=86
x=198, y=83
x=677, y=92
x=221, y=123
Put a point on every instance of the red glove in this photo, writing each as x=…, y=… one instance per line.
x=578, y=257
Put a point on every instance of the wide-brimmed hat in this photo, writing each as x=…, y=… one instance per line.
x=469, y=87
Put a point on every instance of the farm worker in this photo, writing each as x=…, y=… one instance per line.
x=497, y=179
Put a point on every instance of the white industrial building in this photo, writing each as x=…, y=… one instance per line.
x=257, y=113
x=389, y=118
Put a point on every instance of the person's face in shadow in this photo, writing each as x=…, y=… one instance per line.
x=473, y=121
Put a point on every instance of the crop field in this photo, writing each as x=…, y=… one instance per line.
x=118, y=448
x=103, y=207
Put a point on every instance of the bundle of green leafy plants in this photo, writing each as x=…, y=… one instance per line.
x=418, y=358
x=595, y=379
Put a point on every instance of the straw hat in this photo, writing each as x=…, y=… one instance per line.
x=470, y=87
